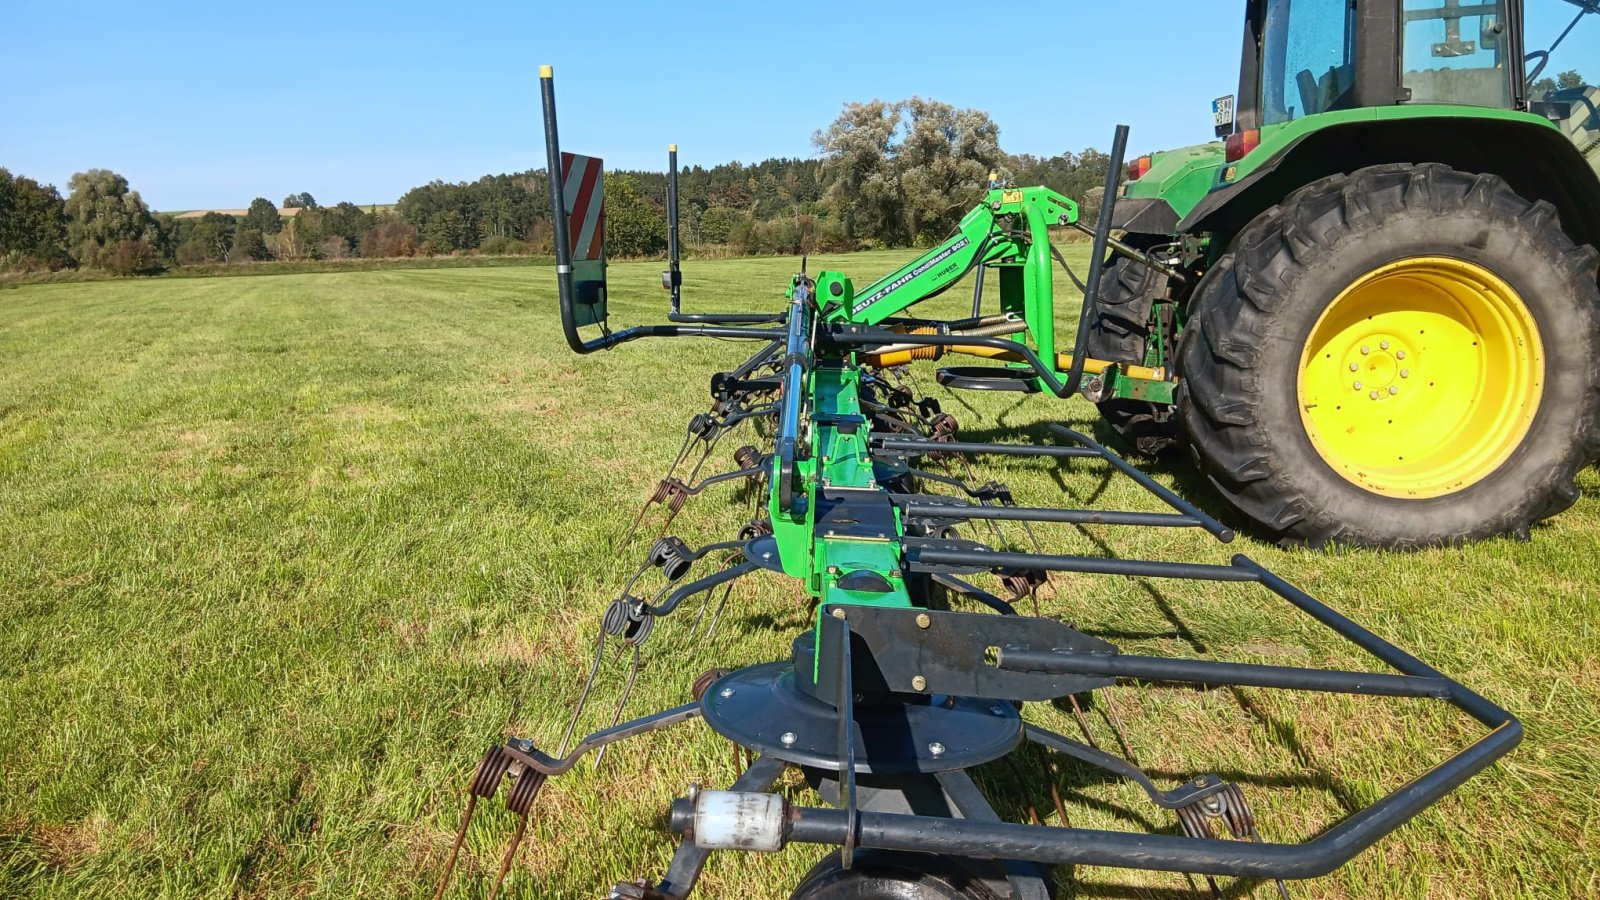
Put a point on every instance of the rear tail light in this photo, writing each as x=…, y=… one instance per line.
x=1139, y=168
x=1239, y=144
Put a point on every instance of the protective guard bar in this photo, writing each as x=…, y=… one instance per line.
x=672, y=278
x=1188, y=513
x=1319, y=856
x=708, y=326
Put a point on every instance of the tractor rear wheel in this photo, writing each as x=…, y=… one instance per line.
x=1401, y=357
x=1120, y=332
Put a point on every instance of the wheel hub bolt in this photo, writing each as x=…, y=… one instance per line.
x=1374, y=395
x=1356, y=386
x=1355, y=367
x=788, y=738
x=1365, y=350
x=1383, y=345
x=1405, y=373
x=936, y=748
x=1393, y=389
x=1399, y=354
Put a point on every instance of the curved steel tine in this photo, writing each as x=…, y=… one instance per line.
x=511, y=853
x=455, y=849
x=1115, y=719
x=711, y=447
x=633, y=676
x=583, y=698
x=1083, y=721
x=705, y=599
x=717, y=616
x=628, y=535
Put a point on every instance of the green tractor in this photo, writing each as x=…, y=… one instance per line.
x=1373, y=312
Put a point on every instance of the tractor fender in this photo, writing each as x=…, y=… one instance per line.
x=1538, y=162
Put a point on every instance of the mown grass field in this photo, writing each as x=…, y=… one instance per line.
x=282, y=555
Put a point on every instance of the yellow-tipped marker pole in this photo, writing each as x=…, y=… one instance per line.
x=558, y=209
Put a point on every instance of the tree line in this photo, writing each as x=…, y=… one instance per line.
x=887, y=174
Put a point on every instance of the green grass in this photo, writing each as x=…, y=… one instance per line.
x=282, y=556
x=277, y=267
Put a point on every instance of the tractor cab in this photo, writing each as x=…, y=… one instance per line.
x=1305, y=57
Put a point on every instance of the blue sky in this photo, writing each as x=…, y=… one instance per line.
x=210, y=104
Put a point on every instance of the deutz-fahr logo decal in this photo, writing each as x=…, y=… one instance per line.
x=905, y=279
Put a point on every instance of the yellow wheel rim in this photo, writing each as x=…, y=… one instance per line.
x=1421, y=378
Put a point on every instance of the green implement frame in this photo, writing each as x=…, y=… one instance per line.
x=889, y=688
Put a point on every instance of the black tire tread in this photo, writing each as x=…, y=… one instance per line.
x=1120, y=332
x=1230, y=325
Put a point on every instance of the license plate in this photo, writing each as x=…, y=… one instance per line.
x=1222, y=111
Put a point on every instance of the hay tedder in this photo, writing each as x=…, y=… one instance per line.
x=922, y=652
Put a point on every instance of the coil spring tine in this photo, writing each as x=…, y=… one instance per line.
x=1037, y=548
x=485, y=782
x=711, y=445
x=659, y=495
x=675, y=500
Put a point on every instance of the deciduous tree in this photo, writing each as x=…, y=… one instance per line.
x=263, y=217
x=101, y=211
x=633, y=226
x=33, y=224
x=944, y=163
x=248, y=245
x=858, y=151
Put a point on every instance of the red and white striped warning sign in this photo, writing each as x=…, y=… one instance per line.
x=584, y=187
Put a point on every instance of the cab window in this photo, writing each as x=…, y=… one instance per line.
x=1455, y=52
x=1307, y=58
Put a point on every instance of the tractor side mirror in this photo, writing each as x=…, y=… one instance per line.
x=1489, y=31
